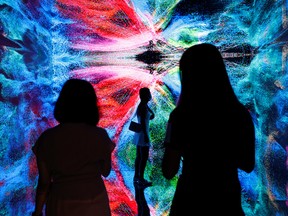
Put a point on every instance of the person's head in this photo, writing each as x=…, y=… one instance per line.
x=145, y=94
x=77, y=102
x=203, y=75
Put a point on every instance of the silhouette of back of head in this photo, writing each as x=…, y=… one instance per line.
x=203, y=71
x=77, y=102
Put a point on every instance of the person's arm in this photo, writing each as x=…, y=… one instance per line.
x=170, y=162
x=106, y=164
x=44, y=181
x=172, y=153
x=246, y=160
x=152, y=116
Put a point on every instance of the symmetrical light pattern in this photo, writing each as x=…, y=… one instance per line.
x=121, y=46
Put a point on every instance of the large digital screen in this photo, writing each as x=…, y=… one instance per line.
x=121, y=46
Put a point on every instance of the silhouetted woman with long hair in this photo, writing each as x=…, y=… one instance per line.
x=210, y=135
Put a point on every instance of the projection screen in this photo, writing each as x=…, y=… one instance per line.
x=121, y=46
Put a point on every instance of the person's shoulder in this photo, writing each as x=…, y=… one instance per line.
x=47, y=132
x=100, y=129
x=101, y=134
x=96, y=129
x=142, y=105
x=43, y=138
x=175, y=114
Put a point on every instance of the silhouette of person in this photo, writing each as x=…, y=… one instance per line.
x=73, y=156
x=142, y=139
x=209, y=136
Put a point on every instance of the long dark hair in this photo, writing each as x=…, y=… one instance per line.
x=204, y=77
x=77, y=102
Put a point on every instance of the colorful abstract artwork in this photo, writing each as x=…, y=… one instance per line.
x=121, y=46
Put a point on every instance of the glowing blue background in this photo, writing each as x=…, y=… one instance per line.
x=51, y=49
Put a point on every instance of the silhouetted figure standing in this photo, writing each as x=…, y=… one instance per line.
x=210, y=135
x=73, y=156
x=142, y=139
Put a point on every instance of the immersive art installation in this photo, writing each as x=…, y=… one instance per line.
x=121, y=46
